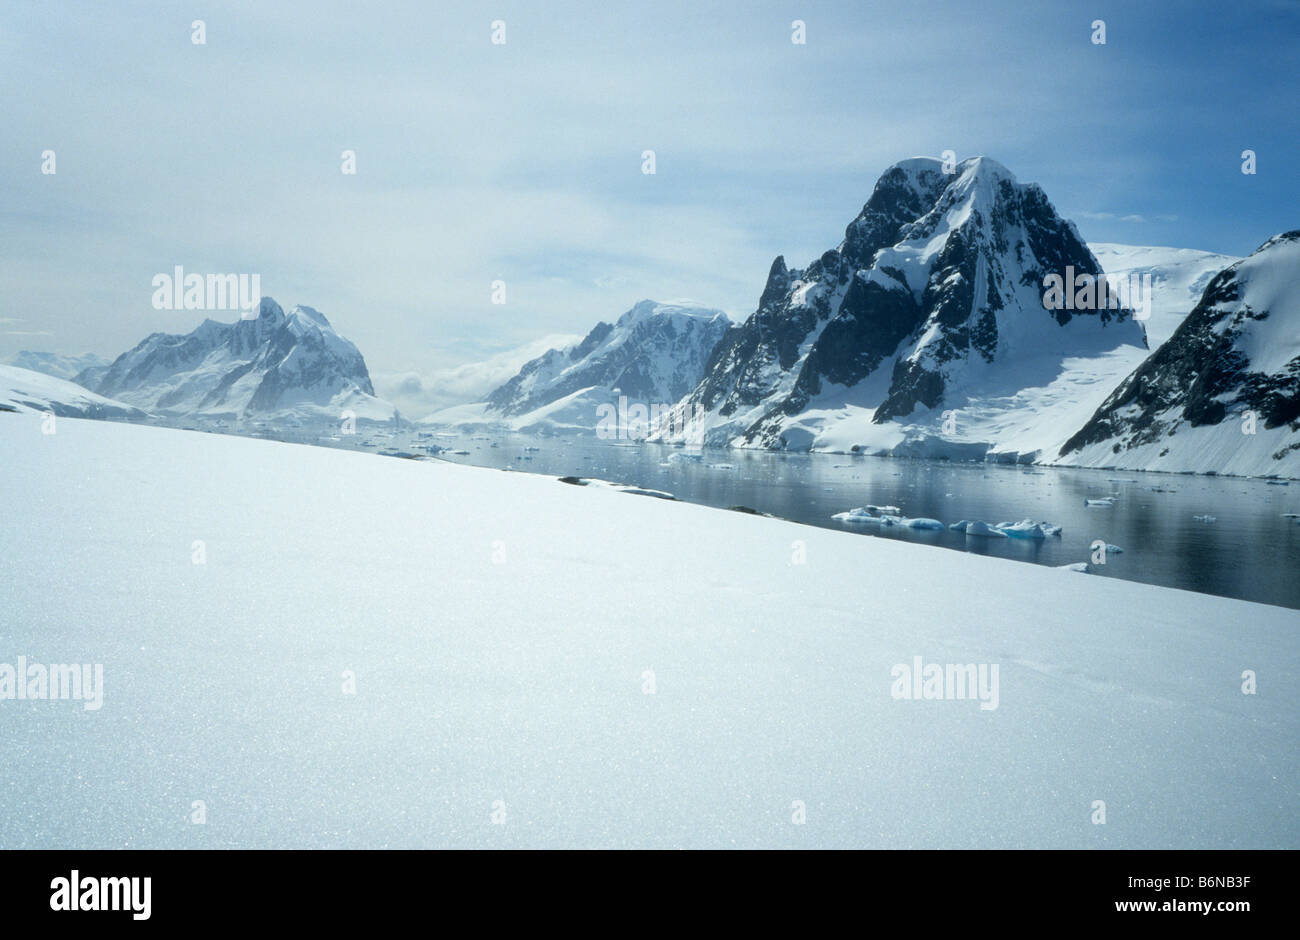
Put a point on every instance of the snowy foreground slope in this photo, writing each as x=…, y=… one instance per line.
x=501, y=629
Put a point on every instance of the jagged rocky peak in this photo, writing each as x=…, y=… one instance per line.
x=940, y=276
x=262, y=364
x=1226, y=384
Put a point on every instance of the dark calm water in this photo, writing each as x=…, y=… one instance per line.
x=1250, y=552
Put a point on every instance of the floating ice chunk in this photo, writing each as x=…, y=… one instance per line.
x=858, y=515
x=1113, y=549
x=1291, y=515
x=984, y=530
x=683, y=457
x=1027, y=529
x=922, y=523
x=722, y=466
x=877, y=515
x=1205, y=518
x=1106, y=502
x=1079, y=566
x=960, y=526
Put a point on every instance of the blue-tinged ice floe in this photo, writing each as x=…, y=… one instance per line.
x=1028, y=529
x=922, y=523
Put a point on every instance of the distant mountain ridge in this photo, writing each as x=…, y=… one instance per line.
x=288, y=364
x=56, y=364
x=653, y=354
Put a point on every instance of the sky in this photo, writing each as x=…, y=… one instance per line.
x=522, y=162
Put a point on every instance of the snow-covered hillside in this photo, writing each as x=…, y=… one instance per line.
x=22, y=390
x=59, y=366
x=275, y=364
x=1178, y=278
x=1223, y=394
x=653, y=355
x=587, y=667
x=921, y=331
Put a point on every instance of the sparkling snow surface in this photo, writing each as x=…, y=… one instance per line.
x=502, y=627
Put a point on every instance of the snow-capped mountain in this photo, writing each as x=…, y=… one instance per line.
x=932, y=303
x=653, y=355
x=289, y=364
x=59, y=366
x=1223, y=394
x=28, y=391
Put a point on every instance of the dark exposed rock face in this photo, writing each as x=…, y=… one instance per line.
x=938, y=271
x=1238, y=351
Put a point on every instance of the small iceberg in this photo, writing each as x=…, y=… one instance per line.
x=983, y=530
x=857, y=515
x=1206, y=519
x=1113, y=549
x=922, y=523
x=1106, y=502
x=1028, y=529
x=683, y=457
x=1079, y=566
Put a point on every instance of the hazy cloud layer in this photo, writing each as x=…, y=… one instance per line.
x=522, y=162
